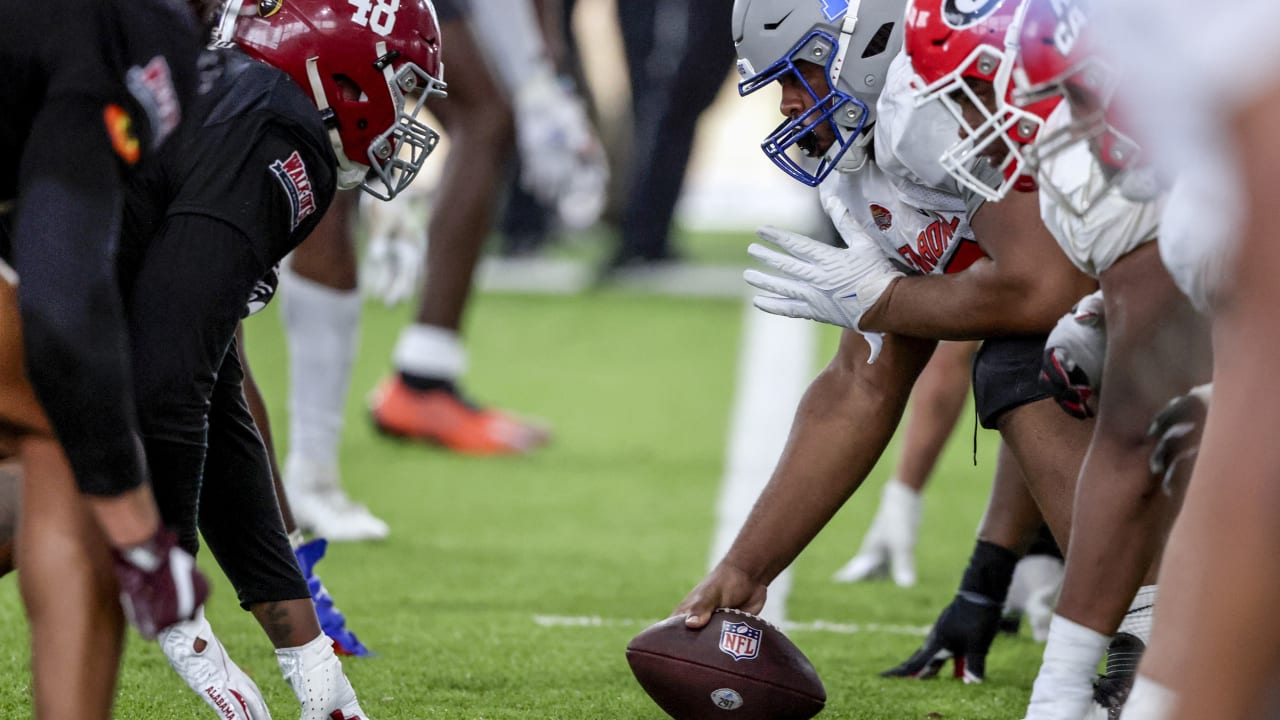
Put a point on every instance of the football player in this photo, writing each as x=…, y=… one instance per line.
x=907, y=276
x=87, y=95
x=1212, y=651
x=281, y=123
x=322, y=304
x=1120, y=519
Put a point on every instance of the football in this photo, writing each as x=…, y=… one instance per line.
x=738, y=666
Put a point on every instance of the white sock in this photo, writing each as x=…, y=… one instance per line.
x=1141, y=611
x=430, y=351
x=1148, y=700
x=1064, y=688
x=322, y=327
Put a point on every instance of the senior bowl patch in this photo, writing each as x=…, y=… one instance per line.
x=291, y=172
x=882, y=216
x=739, y=640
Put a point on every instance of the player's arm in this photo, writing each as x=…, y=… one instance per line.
x=842, y=426
x=75, y=333
x=1023, y=286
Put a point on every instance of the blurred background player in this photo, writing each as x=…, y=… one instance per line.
x=422, y=399
x=85, y=97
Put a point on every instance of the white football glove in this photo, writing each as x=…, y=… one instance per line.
x=821, y=282
x=1074, y=354
x=563, y=163
x=391, y=269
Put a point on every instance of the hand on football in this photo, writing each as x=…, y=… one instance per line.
x=821, y=282
x=724, y=587
x=963, y=632
x=1073, y=357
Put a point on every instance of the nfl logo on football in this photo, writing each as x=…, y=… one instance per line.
x=739, y=641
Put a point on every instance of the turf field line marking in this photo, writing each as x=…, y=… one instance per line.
x=775, y=364
x=821, y=626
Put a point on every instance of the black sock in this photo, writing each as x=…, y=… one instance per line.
x=424, y=383
x=989, y=573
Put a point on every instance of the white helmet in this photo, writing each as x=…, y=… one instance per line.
x=855, y=40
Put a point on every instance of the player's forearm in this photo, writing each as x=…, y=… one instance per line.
x=980, y=302
x=841, y=428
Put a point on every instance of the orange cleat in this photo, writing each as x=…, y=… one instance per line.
x=440, y=416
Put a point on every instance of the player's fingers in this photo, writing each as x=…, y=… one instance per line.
x=794, y=243
x=925, y=662
x=780, y=261
x=972, y=668
x=784, y=307
x=779, y=286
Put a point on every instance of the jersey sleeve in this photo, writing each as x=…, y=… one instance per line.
x=274, y=190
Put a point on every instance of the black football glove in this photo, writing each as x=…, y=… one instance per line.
x=1073, y=357
x=1177, y=429
x=963, y=632
x=159, y=584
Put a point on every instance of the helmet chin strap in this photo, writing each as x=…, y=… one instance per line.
x=350, y=174
x=842, y=44
x=855, y=157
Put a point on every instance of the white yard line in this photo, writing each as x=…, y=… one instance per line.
x=824, y=626
x=775, y=365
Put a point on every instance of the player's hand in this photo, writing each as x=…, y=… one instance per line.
x=963, y=632
x=724, y=587
x=159, y=584
x=1177, y=429
x=392, y=268
x=1074, y=355
x=562, y=161
x=821, y=282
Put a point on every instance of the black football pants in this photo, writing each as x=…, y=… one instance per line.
x=186, y=291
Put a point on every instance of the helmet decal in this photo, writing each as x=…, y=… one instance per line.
x=267, y=8
x=833, y=10
x=961, y=14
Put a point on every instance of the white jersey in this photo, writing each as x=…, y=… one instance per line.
x=1186, y=66
x=1199, y=230
x=905, y=199
x=1114, y=225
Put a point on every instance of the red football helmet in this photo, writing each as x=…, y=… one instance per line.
x=361, y=60
x=958, y=48
x=1056, y=61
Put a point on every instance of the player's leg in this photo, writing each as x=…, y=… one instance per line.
x=422, y=400
x=71, y=595
x=965, y=629
x=241, y=523
x=1121, y=515
x=68, y=589
x=332, y=621
x=321, y=312
x=936, y=402
x=1215, y=639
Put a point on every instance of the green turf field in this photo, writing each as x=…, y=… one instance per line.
x=613, y=521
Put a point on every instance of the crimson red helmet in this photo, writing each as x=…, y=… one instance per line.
x=1056, y=60
x=361, y=61
x=952, y=44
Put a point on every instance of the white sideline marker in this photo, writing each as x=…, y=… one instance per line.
x=775, y=365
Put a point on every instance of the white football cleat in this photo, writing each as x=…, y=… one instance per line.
x=320, y=506
x=890, y=543
x=315, y=674
x=210, y=672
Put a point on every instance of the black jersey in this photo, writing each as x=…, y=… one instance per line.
x=258, y=160
x=89, y=89
x=129, y=64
